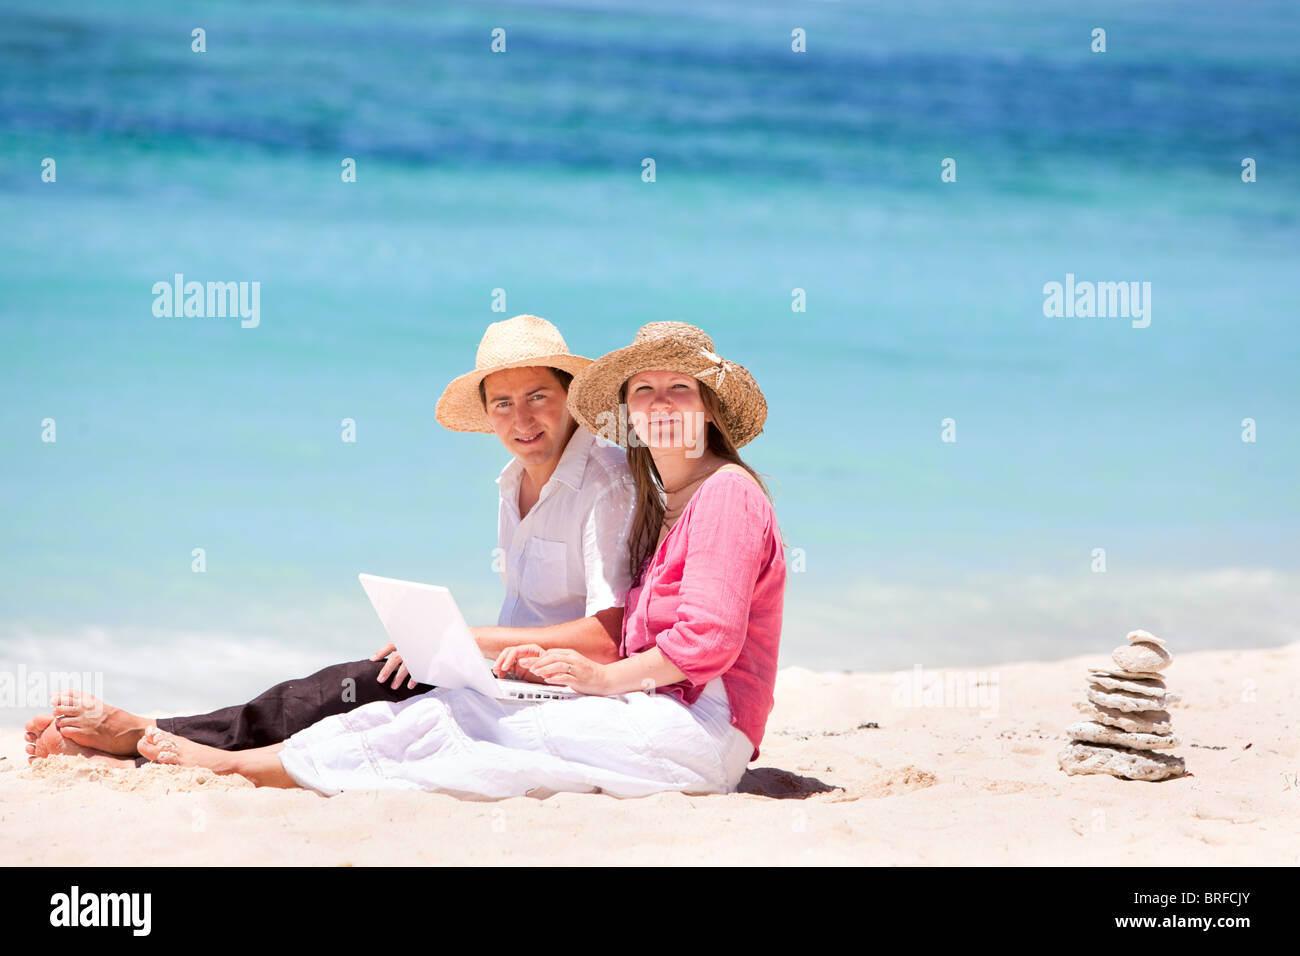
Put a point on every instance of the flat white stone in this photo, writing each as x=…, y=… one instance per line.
x=1148, y=688
x=1092, y=732
x=1118, y=762
x=1127, y=675
x=1125, y=702
x=1140, y=636
x=1141, y=658
x=1141, y=722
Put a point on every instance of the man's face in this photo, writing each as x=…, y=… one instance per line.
x=527, y=411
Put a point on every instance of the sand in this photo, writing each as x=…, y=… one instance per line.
x=857, y=768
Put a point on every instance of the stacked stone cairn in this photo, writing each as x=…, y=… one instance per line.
x=1128, y=723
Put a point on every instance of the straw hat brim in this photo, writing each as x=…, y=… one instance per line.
x=593, y=395
x=460, y=407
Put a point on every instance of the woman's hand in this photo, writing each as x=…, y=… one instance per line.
x=568, y=668
x=517, y=659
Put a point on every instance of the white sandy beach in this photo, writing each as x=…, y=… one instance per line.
x=928, y=785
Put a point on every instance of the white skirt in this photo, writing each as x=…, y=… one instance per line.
x=460, y=742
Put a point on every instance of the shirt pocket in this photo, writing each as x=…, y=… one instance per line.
x=545, y=577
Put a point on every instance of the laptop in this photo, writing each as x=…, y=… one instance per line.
x=436, y=645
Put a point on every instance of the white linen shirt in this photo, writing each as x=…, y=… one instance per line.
x=568, y=557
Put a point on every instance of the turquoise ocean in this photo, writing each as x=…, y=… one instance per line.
x=1098, y=480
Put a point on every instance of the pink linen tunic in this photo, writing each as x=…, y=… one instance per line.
x=711, y=599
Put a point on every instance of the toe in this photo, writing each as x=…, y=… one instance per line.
x=155, y=746
x=37, y=724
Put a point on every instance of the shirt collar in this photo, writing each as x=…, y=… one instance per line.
x=573, y=463
x=570, y=470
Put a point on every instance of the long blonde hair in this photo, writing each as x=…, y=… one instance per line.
x=649, y=515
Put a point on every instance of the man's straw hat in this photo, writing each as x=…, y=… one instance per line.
x=675, y=347
x=523, y=341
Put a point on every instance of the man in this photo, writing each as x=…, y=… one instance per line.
x=566, y=503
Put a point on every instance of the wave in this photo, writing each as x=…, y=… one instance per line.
x=992, y=619
x=153, y=671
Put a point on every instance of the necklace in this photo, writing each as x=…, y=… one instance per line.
x=672, y=514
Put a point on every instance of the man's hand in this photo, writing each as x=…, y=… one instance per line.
x=512, y=661
x=389, y=650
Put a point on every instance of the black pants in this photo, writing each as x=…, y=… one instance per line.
x=287, y=708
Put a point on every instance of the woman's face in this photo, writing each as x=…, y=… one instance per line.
x=666, y=411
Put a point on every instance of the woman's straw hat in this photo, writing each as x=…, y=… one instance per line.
x=675, y=347
x=523, y=341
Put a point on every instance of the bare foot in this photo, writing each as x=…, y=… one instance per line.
x=35, y=727
x=87, y=720
x=50, y=742
x=162, y=747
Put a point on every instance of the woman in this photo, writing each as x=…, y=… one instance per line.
x=685, y=708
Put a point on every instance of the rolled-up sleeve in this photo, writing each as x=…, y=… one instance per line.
x=727, y=547
x=605, y=534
